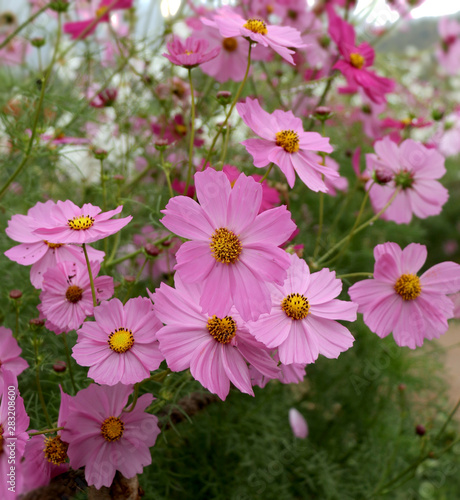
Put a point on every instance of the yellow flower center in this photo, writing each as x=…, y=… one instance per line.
x=188, y=52
x=80, y=223
x=112, y=428
x=223, y=330
x=256, y=26
x=288, y=140
x=408, y=286
x=230, y=44
x=121, y=340
x=74, y=294
x=225, y=246
x=101, y=11
x=180, y=129
x=357, y=60
x=53, y=245
x=295, y=306
x=55, y=450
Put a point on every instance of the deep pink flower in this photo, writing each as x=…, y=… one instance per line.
x=104, y=438
x=10, y=355
x=66, y=298
x=37, y=251
x=397, y=300
x=282, y=39
x=191, y=53
x=71, y=224
x=284, y=142
x=215, y=348
x=412, y=168
x=302, y=319
x=121, y=345
x=356, y=60
x=298, y=424
x=234, y=251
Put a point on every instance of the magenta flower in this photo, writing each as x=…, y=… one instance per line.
x=37, y=251
x=298, y=424
x=71, y=224
x=234, y=251
x=10, y=355
x=66, y=298
x=356, y=60
x=215, y=348
x=284, y=142
x=191, y=53
x=104, y=438
x=397, y=300
x=412, y=168
x=282, y=39
x=121, y=345
x=302, y=320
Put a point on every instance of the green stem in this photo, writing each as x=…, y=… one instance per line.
x=224, y=149
x=69, y=364
x=39, y=387
x=112, y=263
x=271, y=85
x=88, y=265
x=192, y=133
x=353, y=275
x=269, y=169
x=46, y=431
x=320, y=223
x=103, y=186
x=449, y=418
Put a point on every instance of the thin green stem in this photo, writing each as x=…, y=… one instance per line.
x=354, y=275
x=88, y=265
x=224, y=149
x=128, y=293
x=112, y=263
x=46, y=431
x=271, y=84
x=192, y=133
x=69, y=364
x=39, y=387
x=103, y=186
x=269, y=169
x=449, y=418
x=320, y=224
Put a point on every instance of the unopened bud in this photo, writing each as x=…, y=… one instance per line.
x=161, y=144
x=100, y=154
x=322, y=113
x=60, y=366
x=38, y=42
x=401, y=387
x=382, y=175
x=224, y=97
x=167, y=243
x=437, y=114
x=15, y=294
x=37, y=322
x=129, y=279
x=59, y=5
x=420, y=430
x=151, y=249
x=119, y=177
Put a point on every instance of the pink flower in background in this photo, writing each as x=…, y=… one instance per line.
x=456, y=300
x=71, y=224
x=298, y=424
x=234, y=251
x=10, y=355
x=216, y=348
x=302, y=322
x=37, y=251
x=356, y=60
x=333, y=184
x=191, y=53
x=412, y=168
x=282, y=39
x=288, y=374
x=104, y=438
x=66, y=298
x=284, y=142
x=448, y=54
x=121, y=345
x=398, y=300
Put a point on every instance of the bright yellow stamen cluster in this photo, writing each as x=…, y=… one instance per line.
x=74, y=294
x=225, y=246
x=53, y=245
x=112, y=429
x=408, y=286
x=256, y=26
x=357, y=60
x=295, y=306
x=222, y=329
x=121, y=340
x=288, y=140
x=55, y=450
x=80, y=223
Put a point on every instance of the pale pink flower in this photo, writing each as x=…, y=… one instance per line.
x=121, y=345
x=37, y=251
x=191, y=53
x=298, y=424
x=10, y=355
x=284, y=142
x=288, y=374
x=234, y=251
x=302, y=322
x=413, y=169
x=398, y=300
x=216, y=348
x=105, y=438
x=448, y=54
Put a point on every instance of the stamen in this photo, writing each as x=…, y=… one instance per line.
x=223, y=330
x=80, y=223
x=357, y=60
x=288, y=140
x=295, y=306
x=404, y=178
x=55, y=450
x=230, y=44
x=53, y=245
x=74, y=294
x=112, y=429
x=256, y=26
x=225, y=246
x=408, y=286
x=121, y=340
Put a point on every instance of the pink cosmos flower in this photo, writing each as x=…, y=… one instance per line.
x=282, y=39
x=412, y=168
x=284, y=142
x=66, y=298
x=234, y=251
x=71, y=224
x=302, y=320
x=215, y=348
x=191, y=53
x=10, y=355
x=13, y=436
x=104, y=438
x=298, y=424
x=288, y=374
x=448, y=54
x=37, y=251
x=356, y=60
x=82, y=29
x=398, y=300
x=121, y=345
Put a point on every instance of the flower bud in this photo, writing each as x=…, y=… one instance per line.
x=15, y=294
x=224, y=97
x=382, y=175
x=161, y=144
x=151, y=249
x=38, y=42
x=60, y=366
x=298, y=424
x=322, y=113
x=420, y=430
x=59, y=5
x=100, y=154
